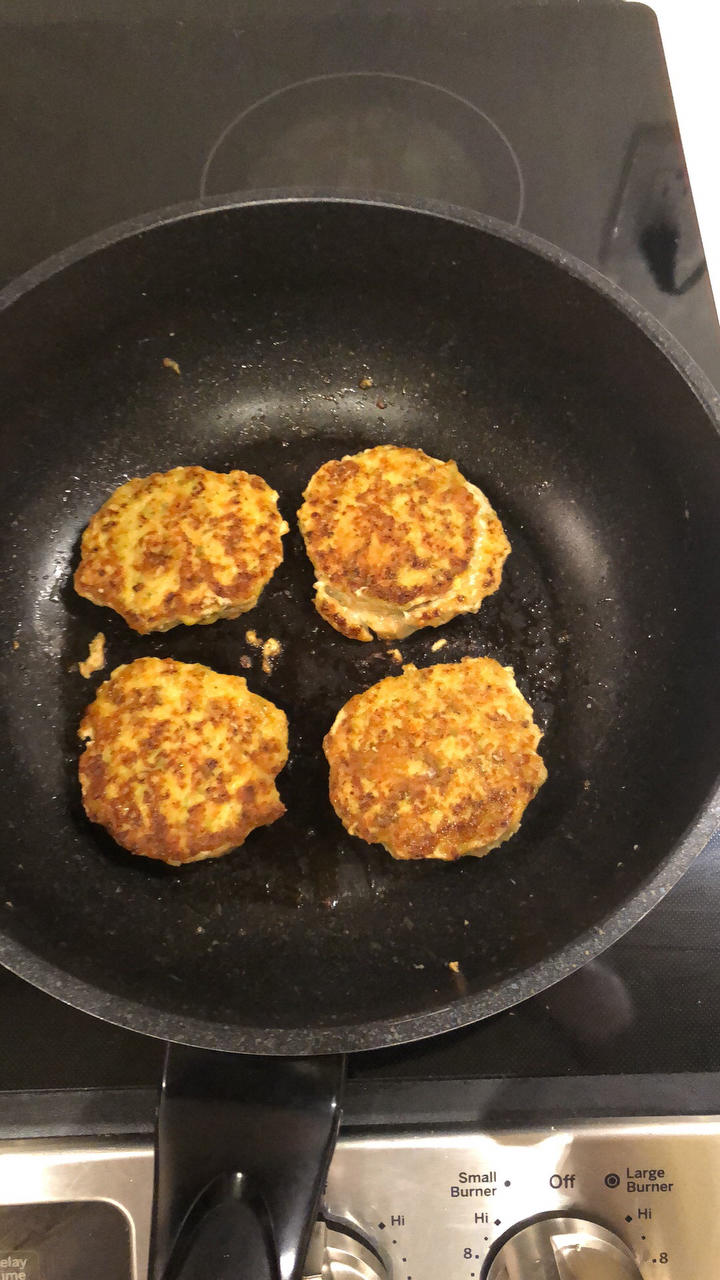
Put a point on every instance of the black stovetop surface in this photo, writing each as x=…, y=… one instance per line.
x=558, y=117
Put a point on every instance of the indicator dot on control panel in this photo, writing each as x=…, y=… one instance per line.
x=507, y=1184
x=381, y=1226
x=628, y=1217
x=497, y=1222
x=642, y=1237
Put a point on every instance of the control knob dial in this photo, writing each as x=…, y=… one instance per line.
x=556, y=1248
x=337, y=1252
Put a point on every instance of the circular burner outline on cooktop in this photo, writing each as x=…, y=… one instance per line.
x=384, y=75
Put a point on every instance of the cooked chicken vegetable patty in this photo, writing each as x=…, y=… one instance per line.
x=180, y=762
x=186, y=545
x=398, y=541
x=436, y=763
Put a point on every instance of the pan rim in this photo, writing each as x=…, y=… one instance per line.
x=661, y=337
x=385, y=1032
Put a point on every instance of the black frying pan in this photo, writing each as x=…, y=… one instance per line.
x=595, y=439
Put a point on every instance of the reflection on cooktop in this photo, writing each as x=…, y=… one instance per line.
x=361, y=131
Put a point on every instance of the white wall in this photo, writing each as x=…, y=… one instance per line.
x=690, y=32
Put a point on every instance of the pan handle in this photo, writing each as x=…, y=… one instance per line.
x=243, y=1146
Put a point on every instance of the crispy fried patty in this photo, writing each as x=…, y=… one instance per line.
x=436, y=763
x=180, y=762
x=398, y=541
x=186, y=545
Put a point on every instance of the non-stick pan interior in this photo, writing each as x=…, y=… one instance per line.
x=602, y=465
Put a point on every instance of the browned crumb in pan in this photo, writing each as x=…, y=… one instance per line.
x=271, y=650
x=95, y=660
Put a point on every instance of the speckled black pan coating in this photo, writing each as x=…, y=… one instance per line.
x=596, y=442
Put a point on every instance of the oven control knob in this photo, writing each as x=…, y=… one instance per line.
x=337, y=1252
x=563, y=1249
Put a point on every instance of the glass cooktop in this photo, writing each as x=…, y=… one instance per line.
x=556, y=117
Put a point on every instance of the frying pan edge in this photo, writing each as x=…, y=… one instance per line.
x=464, y=1010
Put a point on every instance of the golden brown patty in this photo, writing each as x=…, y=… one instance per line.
x=186, y=545
x=398, y=541
x=180, y=762
x=436, y=763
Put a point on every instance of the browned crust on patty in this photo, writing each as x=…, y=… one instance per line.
x=182, y=546
x=398, y=541
x=338, y=617
x=180, y=762
x=436, y=763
